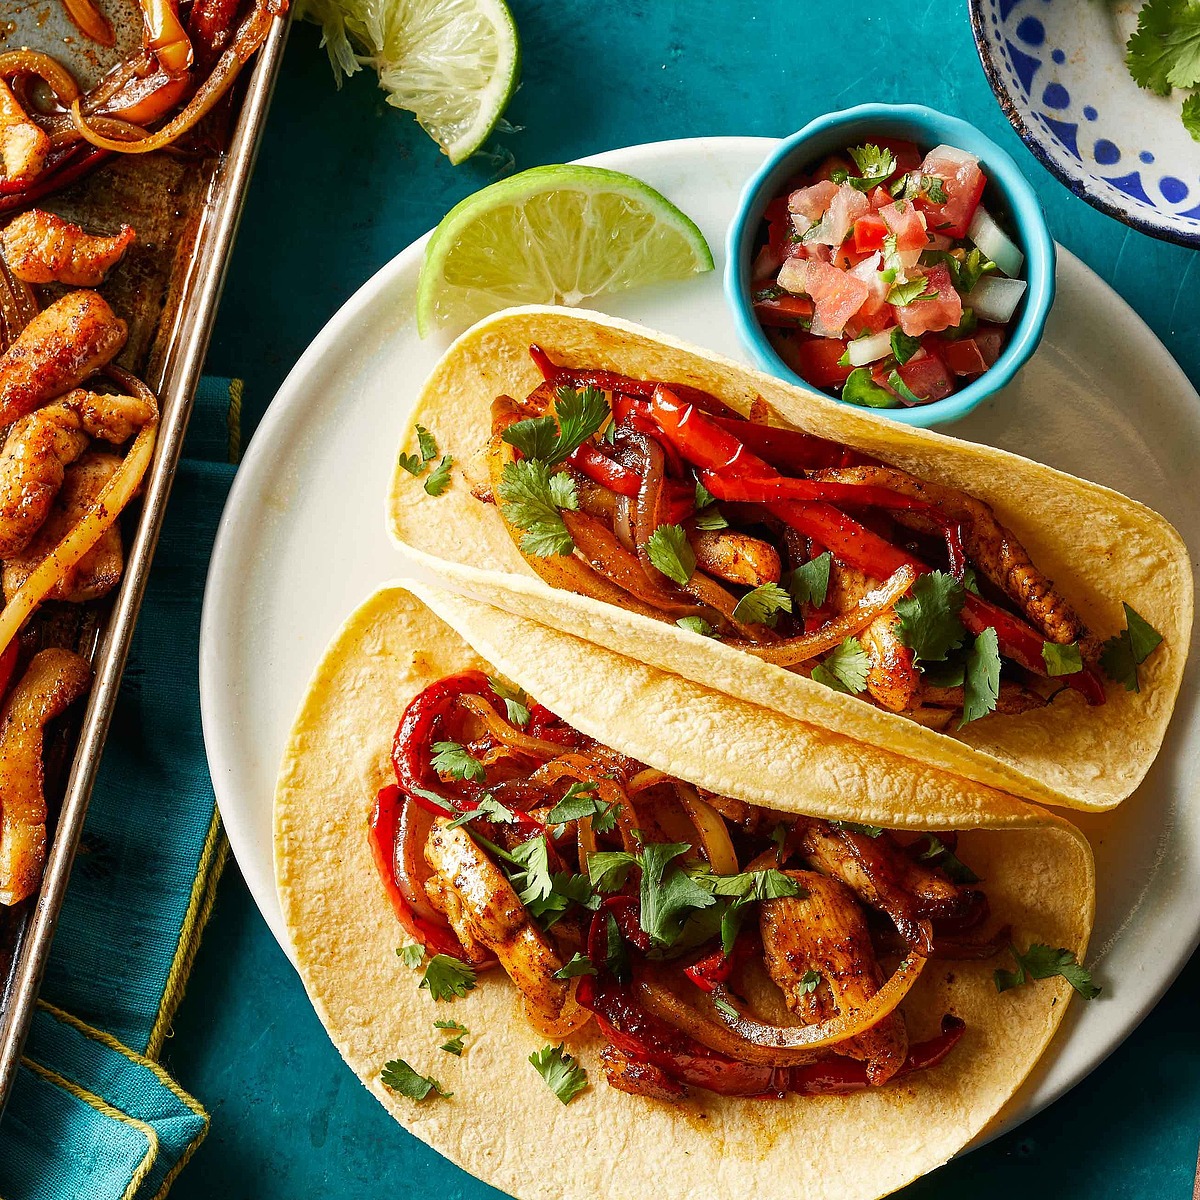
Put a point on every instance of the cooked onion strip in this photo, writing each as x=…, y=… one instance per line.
x=646, y=779
x=502, y=731
x=710, y=825
x=33, y=62
x=808, y=646
x=18, y=306
x=583, y=769
x=91, y=21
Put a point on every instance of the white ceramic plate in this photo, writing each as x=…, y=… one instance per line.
x=303, y=541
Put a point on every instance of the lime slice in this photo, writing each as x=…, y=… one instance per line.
x=452, y=63
x=553, y=235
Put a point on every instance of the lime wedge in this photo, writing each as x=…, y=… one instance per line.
x=553, y=235
x=452, y=63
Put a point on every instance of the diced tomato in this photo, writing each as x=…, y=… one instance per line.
x=844, y=209
x=907, y=224
x=864, y=321
x=766, y=264
x=785, y=312
x=990, y=340
x=812, y=201
x=834, y=162
x=963, y=181
x=869, y=232
x=961, y=357
x=927, y=377
x=837, y=295
x=906, y=154
x=779, y=227
x=819, y=252
x=846, y=256
x=932, y=313
x=879, y=198
x=816, y=359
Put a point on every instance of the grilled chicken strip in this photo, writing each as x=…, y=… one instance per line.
x=23, y=144
x=100, y=569
x=483, y=910
x=823, y=930
x=735, y=557
x=40, y=247
x=53, y=680
x=992, y=547
x=64, y=344
x=884, y=877
x=41, y=445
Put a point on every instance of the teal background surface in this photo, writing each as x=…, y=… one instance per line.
x=343, y=183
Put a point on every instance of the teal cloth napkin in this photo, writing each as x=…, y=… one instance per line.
x=92, y=1115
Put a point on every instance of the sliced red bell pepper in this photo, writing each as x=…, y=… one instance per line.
x=607, y=472
x=710, y=970
x=8, y=663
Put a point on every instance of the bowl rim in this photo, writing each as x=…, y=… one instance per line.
x=1034, y=234
x=1074, y=183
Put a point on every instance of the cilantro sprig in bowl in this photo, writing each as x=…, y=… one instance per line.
x=950, y=235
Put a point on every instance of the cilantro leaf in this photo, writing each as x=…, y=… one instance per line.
x=897, y=384
x=710, y=518
x=1191, y=115
x=808, y=982
x=412, y=463
x=447, y=977
x=454, y=1044
x=934, y=187
x=671, y=553
x=929, y=623
x=668, y=893
x=616, y=956
x=1123, y=654
x=848, y=664
x=439, y=477
x=487, y=808
x=400, y=1077
x=861, y=388
x=903, y=346
x=1061, y=660
x=745, y=886
x=982, y=683
x=516, y=703
x=1042, y=962
x=762, y=605
x=608, y=869
x=562, y=1074
x=535, y=437
x=565, y=889
x=871, y=831
x=531, y=499
x=696, y=625
x=426, y=443
x=453, y=759
x=942, y=856
x=872, y=161
x=533, y=881
x=703, y=496
x=411, y=955
x=904, y=294
x=551, y=439
x=580, y=964
x=809, y=582
x=579, y=801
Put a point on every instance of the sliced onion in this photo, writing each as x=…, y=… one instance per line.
x=646, y=779
x=994, y=298
x=869, y=349
x=33, y=62
x=807, y=646
x=995, y=243
x=951, y=154
x=710, y=825
x=502, y=731
x=585, y=770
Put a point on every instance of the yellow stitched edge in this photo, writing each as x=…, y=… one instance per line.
x=105, y=1109
x=212, y=862
x=233, y=419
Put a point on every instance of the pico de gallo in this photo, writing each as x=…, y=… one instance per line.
x=882, y=276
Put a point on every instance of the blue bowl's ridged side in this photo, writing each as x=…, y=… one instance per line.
x=928, y=128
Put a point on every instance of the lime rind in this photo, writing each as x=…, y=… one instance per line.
x=553, y=235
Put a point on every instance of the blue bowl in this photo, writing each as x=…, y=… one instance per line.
x=928, y=128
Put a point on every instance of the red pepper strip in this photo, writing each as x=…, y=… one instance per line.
x=8, y=662
x=546, y=727
x=385, y=821
x=790, y=449
x=747, y=490
x=710, y=970
x=605, y=471
x=611, y=381
x=713, y=449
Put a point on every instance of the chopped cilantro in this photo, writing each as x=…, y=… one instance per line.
x=751, y=885
x=411, y=955
x=942, y=856
x=427, y=451
x=903, y=346
x=532, y=499
x=845, y=668
x=412, y=463
x=562, y=1074
x=981, y=685
x=671, y=553
x=516, y=703
x=565, y=889
x=447, y=977
x=608, y=869
x=456, y=1034
x=904, y=294
x=533, y=881
x=551, y=439
x=1061, y=660
x=809, y=582
x=723, y=1006
x=439, y=477
x=929, y=623
x=875, y=167
x=711, y=518
x=1191, y=115
x=400, y=1077
x=897, y=384
x=616, y=956
x=453, y=759
x=1124, y=653
x=703, y=496
x=668, y=893
x=1042, y=962
x=487, y=808
x=696, y=625
x=762, y=605
x=861, y=388
x=808, y=982
x=580, y=964
x=871, y=831
x=579, y=801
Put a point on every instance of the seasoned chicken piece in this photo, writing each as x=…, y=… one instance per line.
x=823, y=930
x=993, y=548
x=1013, y=698
x=23, y=144
x=100, y=569
x=53, y=680
x=41, y=445
x=893, y=680
x=64, y=344
x=736, y=557
x=884, y=877
x=40, y=247
x=483, y=910
x=627, y=1074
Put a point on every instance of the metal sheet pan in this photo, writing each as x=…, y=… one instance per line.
x=186, y=211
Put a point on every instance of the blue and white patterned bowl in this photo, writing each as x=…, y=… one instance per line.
x=1058, y=70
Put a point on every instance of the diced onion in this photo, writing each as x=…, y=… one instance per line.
x=951, y=154
x=909, y=258
x=995, y=299
x=995, y=243
x=869, y=349
x=791, y=276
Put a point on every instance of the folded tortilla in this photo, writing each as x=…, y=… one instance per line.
x=502, y=1124
x=1100, y=547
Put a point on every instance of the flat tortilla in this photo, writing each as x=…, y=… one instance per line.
x=1099, y=546
x=502, y=1124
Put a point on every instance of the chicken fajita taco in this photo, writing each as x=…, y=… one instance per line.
x=537, y=903
x=949, y=602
